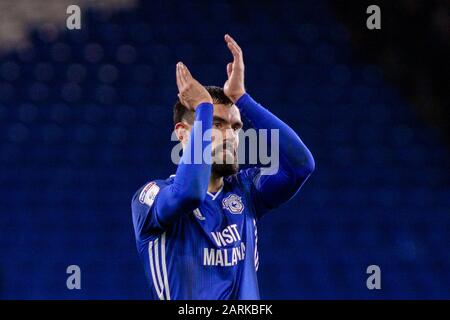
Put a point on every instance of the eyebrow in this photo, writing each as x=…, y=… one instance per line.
x=220, y=119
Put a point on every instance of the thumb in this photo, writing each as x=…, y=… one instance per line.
x=229, y=69
x=181, y=100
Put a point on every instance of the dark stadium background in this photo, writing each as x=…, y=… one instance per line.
x=85, y=120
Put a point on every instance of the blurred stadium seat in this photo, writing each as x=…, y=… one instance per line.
x=86, y=119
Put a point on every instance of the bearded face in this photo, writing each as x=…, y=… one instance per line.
x=224, y=157
x=225, y=140
x=224, y=136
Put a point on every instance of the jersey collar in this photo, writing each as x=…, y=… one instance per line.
x=214, y=196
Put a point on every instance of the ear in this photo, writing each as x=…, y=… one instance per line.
x=182, y=131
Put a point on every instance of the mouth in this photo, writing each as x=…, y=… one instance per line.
x=228, y=151
x=226, y=154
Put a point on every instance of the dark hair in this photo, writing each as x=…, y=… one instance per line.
x=181, y=112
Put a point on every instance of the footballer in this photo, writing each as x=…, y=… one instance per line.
x=196, y=230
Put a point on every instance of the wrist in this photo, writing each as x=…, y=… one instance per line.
x=235, y=97
x=203, y=103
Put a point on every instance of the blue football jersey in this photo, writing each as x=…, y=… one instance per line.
x=208, y=253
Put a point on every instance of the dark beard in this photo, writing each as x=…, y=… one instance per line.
x=223, y=169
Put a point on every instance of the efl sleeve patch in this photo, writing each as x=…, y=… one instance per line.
x=149, y=193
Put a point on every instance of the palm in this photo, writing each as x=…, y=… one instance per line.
x=234, y=86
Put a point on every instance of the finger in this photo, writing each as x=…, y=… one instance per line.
x=229, y=38
x=238, y=60
x=181, y=99
x=180, y=77
x=239, y=51
x=177, y=76
x=186, y=75
x=229, y=69
x=233, y=50
x=182, y=74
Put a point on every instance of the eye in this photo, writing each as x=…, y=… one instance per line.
x=217, y=125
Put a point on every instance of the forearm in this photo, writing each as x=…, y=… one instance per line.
x=193, y=173
x=294, y=155
x=295, y=160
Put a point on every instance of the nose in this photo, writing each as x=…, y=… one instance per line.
x=230, y=134
x=230, y=137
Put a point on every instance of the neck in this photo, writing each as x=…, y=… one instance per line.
x=215, y=183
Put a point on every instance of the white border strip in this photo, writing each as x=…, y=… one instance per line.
x=152, y=269
x=164, y=267
x=214, y=196
x=158, y=271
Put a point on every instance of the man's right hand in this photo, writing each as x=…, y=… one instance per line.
x=191, y=92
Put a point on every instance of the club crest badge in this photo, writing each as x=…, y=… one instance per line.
x=233, y=203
